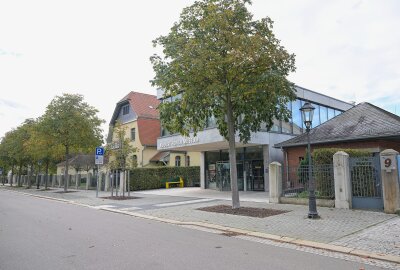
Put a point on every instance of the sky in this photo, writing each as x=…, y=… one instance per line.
x=347, y=49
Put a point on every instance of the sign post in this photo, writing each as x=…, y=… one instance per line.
x=99, y=160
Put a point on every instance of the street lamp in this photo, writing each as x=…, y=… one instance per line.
x=307, y=111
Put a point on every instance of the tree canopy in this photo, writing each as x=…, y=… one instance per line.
x=226, y=65
x=73, y=124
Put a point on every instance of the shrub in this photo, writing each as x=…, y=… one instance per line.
x=154, y=178
x=325, y=155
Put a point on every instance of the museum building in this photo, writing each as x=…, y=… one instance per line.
x=253, y=157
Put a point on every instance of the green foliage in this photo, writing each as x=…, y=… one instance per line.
x=73, y=123
x=222, y=62
x=154, y=178
x=325, y=155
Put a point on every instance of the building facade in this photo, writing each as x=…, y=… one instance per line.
x=139, y=118
x=364, y=126
x=252, y=158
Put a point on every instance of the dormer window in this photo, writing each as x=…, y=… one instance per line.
x=125, y=110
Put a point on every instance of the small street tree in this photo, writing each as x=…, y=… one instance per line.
x=7, y=153
x=225, y=65
x=43, y=150
x=119, y=152
x=72, y=124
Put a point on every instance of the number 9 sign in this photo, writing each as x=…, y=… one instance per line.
x=387, y=163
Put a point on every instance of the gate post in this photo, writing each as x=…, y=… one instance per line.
x=275, y=182
x=390, y=182
x=342, y=180
x=88, y=180
x=107, y=181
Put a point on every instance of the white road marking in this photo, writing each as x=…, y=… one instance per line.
x=184, y=202
x=103, y=206
x=130, y=208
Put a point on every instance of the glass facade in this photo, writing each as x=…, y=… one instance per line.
x=249, y=165
x=294, y=126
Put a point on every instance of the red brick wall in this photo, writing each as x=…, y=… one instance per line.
x=294, y=153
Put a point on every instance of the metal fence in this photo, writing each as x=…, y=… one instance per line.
x=295, y=181
x=365, y=177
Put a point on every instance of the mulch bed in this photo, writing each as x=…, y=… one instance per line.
x=120, y=198
x=243, y=211
x=68, y=191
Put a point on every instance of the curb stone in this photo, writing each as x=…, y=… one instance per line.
x=226, y=229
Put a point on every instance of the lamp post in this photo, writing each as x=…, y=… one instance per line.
x=307, y=111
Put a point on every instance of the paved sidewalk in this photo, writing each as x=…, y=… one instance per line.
x=374, y=232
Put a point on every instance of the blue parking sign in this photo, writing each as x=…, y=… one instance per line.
x=99, y=151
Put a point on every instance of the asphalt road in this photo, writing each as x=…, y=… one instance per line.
x=43, y=234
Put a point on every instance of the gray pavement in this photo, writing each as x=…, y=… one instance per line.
x=349, y=228
x=42, y=234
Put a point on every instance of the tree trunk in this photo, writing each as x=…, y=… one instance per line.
x=47, y=175
x=232, y=154
x=29, y=176
x=19, y=175
x=12, y=175
x=66, y=168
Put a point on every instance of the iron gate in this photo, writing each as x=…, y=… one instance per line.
x=366, y=183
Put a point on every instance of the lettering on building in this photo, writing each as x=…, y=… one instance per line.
x=180, y=142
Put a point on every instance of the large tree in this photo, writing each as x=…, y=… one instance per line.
x=73, y=124
x=227, y=65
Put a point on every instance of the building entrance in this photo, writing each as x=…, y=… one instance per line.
x=250, y=175
x=257, y=175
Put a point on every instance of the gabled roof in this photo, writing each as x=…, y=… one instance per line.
x=144, y=105
x=149, y=131
x=364, y=121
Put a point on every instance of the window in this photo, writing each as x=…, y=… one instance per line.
x=296, y=116
x=187, y=161
x=324, y=114
x=287, y=126
x=316, y=120
x=133, y=134
x=177, y=161
x=331, y=113
x=125, y=110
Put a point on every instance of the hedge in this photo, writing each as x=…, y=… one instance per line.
x=154, y=178
x=325, y=155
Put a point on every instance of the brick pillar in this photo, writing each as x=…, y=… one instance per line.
x=275, y=182
x=390, y=181
x=342, y=179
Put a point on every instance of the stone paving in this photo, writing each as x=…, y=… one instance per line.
x=383, y=238
x=371, y=231
x=333, y=225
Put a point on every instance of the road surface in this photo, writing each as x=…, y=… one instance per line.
x=41, y=234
